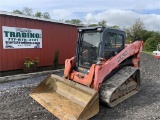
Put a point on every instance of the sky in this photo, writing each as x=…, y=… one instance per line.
x=116, y=12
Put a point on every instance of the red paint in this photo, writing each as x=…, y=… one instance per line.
x=83, y=79
x=132, y=49
x=54, y=36
x=157, y=56
x=98, y=72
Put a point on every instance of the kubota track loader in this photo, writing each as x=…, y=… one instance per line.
x=104, y=69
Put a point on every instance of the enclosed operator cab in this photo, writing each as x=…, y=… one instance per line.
x=97, y=42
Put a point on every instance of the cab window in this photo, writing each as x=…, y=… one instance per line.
x=113, y=40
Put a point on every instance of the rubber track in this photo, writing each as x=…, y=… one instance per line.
x=110, y=85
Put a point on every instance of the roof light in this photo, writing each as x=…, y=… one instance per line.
x=99, y=29
x=80, y=30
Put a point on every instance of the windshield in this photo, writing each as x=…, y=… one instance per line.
x=89, y=49
x=158, y=47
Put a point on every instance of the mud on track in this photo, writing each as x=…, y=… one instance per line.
x=15, y=103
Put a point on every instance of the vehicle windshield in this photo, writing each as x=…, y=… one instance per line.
x=89, y=49
x=158, y=47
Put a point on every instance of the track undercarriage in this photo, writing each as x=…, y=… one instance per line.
x=125, y=83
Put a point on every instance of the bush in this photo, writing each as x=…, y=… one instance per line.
x=29, y=62
x=56, y=58
x=151, y=44
x=30, y=65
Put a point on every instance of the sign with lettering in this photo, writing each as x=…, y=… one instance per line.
x=14, y=37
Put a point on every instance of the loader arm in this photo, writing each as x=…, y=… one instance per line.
x=131, y=49
x=98, y=72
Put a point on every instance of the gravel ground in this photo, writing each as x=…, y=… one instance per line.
x=15, y=103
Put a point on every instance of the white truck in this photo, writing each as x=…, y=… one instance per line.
x=157, y=53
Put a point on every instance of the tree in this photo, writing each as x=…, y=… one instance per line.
x=152, y=41
x=17, y=12
x=74, y=21
x=56, y=58
x=38, y=14
x=150, y=44
x=92, y=25
x=115, y=27
x=136, y=30
x=157, y=36
x=61, y=20
x=46, y=15
x=102, y=23
x=27, y=11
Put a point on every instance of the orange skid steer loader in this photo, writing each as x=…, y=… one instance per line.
x=104, y=69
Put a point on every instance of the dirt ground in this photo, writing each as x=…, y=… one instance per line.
x=15, y=103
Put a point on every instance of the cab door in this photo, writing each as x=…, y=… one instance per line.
x=113, y=43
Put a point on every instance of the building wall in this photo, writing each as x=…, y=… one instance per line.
x=55, y=36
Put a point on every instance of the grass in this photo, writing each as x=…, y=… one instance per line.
x=148, y=52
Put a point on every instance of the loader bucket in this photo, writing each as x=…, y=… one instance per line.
x=65, y=99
